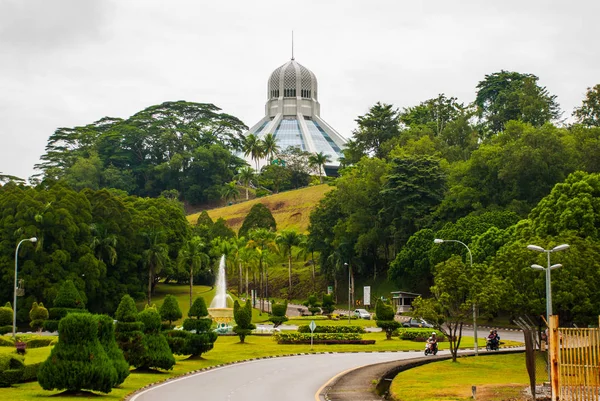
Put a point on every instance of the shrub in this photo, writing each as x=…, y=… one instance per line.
x=68, y=297
x=40, y=342
x=278, y=314
x=385, y=318
x=169, y=310
x=7, y=341
x=177, y=340
x=11, y=370
x=328, y=305
x=200, y=338
x=5, y=329
x=313, y=304
x=259, y=216
x=38, y=314
x=418, y=334
x=128, y=332
x=6, y=316
x=78, y=361
x=243, y=319
x=30, y=372
x=106, y=335
x=302, y=338
x=157, y=352
x=332, y=329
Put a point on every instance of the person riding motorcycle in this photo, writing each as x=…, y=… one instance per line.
x=493, y=340
x=432, y=342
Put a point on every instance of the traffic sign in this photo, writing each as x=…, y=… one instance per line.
x=312, y=326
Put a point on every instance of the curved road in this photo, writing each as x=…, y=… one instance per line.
x=302, y=377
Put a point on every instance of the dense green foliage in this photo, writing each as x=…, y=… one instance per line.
x=170, y=310
x=243, y=319
x=106, y=335
x=38, y=314
x=384, y=315
x=278, y=311
x=157, y=352
x=200, y=338
x=129, y=332
x=78, y=361
x=259, y=217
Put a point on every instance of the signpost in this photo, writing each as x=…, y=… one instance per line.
x=312, y=326
x=367, y=296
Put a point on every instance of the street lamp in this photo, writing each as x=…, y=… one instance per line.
x=548, y=270
x=349, y=292
x=441, y=241
x=32, y=239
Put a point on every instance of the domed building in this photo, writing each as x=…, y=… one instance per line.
x=292, y=115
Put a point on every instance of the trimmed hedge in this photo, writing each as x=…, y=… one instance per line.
x=30, y=372
x=5, y=329
x=41, y=342
x=11, y=370
x=332, y=329
x=418, y=334
x=331, y=338
x=6, y=342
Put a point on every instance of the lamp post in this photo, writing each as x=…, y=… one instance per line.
x=548, y=270
x=349, y=292
x=32, y=239
x=441, y=241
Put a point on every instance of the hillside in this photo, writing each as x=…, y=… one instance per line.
x=290, y=209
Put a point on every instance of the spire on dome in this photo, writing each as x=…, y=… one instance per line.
x=292, y=45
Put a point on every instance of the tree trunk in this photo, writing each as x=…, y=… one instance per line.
x=267, y=288
x=191, y=284
x=149, y=286
x=335, y=288
x=262, y=294
x=241, y=281
x=290, y=274
x=313, y=270
x=246, y=192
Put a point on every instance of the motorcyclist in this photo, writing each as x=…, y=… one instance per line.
x=432, y=342
x=493, y=339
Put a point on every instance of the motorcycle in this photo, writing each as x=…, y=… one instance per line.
x=492, y=344
x=431, y=349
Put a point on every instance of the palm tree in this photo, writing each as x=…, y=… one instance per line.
x=254, y=147
x=246, y=176
x=287, y=240
x=318, y=160
x=192, y=254
x=262, y=240
x=230, y=191
x=154, y=258
x=103, y=244
x=270, y=147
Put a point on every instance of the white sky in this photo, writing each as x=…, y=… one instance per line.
x=65, y=63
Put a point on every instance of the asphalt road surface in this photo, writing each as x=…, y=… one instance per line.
x=299, y=378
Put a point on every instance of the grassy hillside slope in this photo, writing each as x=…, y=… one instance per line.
x=290, y=209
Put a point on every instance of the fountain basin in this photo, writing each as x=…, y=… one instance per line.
x=221, y=315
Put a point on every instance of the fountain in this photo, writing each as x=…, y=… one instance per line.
x=221, y=310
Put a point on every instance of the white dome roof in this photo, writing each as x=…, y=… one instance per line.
x=292, y=80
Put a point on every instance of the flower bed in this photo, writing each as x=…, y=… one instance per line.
x=332, y=329
x=321, y=338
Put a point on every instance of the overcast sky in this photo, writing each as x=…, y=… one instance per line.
x=65, y=63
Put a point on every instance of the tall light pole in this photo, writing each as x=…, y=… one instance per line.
x=548, y=270
x=32, y=239
x=441, y=241
x=349, y=291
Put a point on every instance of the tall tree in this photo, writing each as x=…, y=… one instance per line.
x=246, y=176
x=154, y=257
x=230, y=191
x=287, y=241
x=259, y=216
x=376, y=127
x=270, y=147
x=254, y=147
x=193, y=256
x=319, y=160
x=589, y=112
x=263, y=241
x=506, y=95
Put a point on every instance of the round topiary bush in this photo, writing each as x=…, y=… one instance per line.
x=38, y=314
x=278, y=312
x=243, y=320
x=158, y=354
x=170, y=310
x=106, y=335
x=385, y=318
x=200, y=338
x=129, y=333
x=78, y=361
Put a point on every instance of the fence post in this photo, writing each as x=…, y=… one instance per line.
x=553, y=349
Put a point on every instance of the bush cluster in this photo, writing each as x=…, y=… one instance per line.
x=418, y=334
x=303, y=338
x=38, y=314
x=11, y=370
x=278, y=314
x=384, y=313
x=332, y=329
x=243, y=319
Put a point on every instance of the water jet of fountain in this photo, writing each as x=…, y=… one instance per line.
x=219, y=310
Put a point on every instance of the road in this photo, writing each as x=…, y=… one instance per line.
x=301, y=376
x=298, y=377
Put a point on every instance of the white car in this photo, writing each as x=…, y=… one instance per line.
x=362, y=314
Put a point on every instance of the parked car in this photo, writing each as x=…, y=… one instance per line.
x=362, y=314
x=417, y=322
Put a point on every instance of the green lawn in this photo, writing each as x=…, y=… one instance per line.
x=497, y=377
x=227, y=349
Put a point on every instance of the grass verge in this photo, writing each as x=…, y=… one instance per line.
x=497, y=377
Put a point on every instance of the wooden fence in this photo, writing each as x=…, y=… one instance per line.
x=575, y=362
